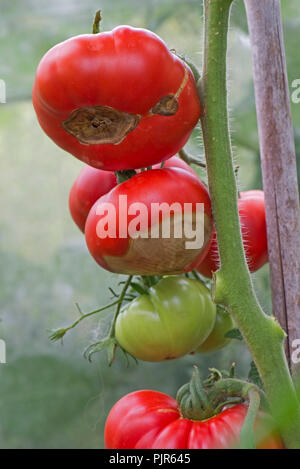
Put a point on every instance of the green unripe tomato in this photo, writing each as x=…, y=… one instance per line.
x=171, y=320
x=216, y=339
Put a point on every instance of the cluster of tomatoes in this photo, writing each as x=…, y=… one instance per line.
x=122, y=103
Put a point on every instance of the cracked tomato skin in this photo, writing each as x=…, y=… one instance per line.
x=152, y=420
x=252, y=214
x=119, y=252
x=92, y=183
x=128, y=70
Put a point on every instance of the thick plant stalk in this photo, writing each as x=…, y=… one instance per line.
x=278, y=161
x=233, y=287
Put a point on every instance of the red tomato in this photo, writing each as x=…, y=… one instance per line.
x=176, y=162
x=253, y=224
x=118, y=251
x=116, y=100
x=152, y=420
x=92, y=183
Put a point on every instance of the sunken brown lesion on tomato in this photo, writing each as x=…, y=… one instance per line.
x=168, y=105
x=158, y=256
x=94, y=125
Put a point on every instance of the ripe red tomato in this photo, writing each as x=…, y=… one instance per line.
x=152, y=420
x=253, y=224
x=115, y=249
x=116, y=100
x=89, y=186
x=92, y=183
x=172, y=319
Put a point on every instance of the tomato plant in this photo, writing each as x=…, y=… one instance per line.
x=150, y=194
x=170, y=320
x=152, y=420
x=216, y=339
x=116, y=100
x=252, y=215
x=92, y=183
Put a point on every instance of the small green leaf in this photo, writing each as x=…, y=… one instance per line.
x=254, y=377
x=234, y=334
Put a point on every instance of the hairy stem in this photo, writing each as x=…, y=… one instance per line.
x=232, y=283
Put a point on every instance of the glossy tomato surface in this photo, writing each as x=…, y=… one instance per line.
x=173, y=319
x=252, y=214
x=92, y=183
x=152, y=420
x=116, y=100
x=89, y=186
x=136, y=205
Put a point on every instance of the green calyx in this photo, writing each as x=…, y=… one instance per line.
x=193, y=400
x=123, y=176
x=198, y=401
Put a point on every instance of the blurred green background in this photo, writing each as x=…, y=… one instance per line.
x=50, y=396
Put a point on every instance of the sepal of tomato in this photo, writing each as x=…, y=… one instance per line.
x=251, y=205
x=116, y=100
x=145, y=254
x=152, y=420
x=171, y=320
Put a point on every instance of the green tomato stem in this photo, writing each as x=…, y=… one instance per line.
x=121, y=299
x=232, y=283
x=96, y=24
x=247, y=437
x=189, y=159
x=60, y=333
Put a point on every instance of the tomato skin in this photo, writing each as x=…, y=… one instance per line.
x=126, y=69
x=152, y=420
x=170, y=321
x=148, y=256
x=89, y=186
x=252, y=214
x=216, y=339
x=92, y=183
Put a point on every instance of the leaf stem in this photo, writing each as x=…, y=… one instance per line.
x=190, y=159
x=59, y=333
x=121, y=299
